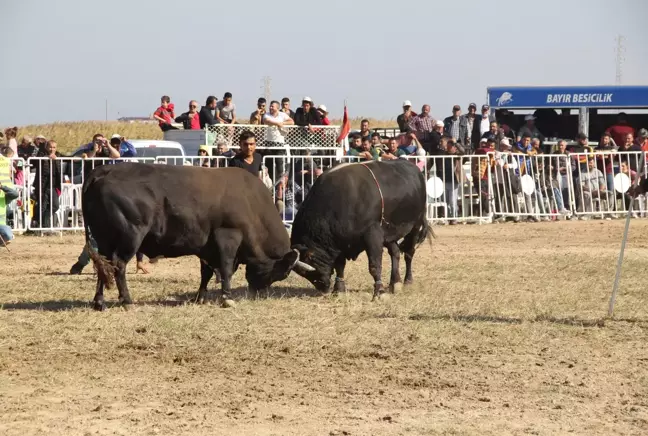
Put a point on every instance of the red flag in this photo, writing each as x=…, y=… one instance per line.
x=346, y=126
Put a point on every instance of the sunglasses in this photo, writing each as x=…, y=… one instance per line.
x=193, y=106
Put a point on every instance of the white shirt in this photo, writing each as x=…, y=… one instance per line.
x=273, y=133
x=484, y=126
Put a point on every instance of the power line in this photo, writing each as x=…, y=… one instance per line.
x=620, y=58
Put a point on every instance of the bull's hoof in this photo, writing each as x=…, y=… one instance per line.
x=99, y=306
x=127, y=306
x=395, y=287
x=200, y=297
x=227, y=302
x=339, y=286
x=380, y=296
x=409, y=281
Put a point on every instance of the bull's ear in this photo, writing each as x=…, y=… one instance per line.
x=282, y=268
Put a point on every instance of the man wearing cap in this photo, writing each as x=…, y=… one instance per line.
x=531, y=129
x=642, y=139
x=307, y=115
x=323, y=113
x=404, y=118
x=482, y=125
x=27, y=148
x=456, y=125
x=434, y=146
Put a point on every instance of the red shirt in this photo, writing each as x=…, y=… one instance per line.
x=195, y=122
x=167, y=114
x=619, y=132
x=325, y=121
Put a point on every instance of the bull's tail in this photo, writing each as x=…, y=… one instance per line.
x=417, y=236
x=102, y=266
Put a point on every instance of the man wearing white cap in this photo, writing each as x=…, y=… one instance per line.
x=307, y=115
x=404, y=118
x=323, y=113
x=530, y=128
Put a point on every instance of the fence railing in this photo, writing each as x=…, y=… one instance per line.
x=469, y=189
x=275, y=138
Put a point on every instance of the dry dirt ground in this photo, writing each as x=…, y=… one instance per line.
x=503, y=333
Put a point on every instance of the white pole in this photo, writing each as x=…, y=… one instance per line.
x=617, y=278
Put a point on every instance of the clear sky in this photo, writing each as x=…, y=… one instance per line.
x=62, y=59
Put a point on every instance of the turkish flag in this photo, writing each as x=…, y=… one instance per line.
x=346, y=126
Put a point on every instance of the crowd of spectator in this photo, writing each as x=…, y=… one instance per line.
x=509, y=150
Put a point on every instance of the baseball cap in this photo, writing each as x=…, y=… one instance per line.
x=40, y=137
x=506, y=142
x=322, y=108
x=529, y=117
x=438, y=123
x=483, y=140
x=473, y=105
x=115, y=136
x=582, y=136
x=308, y=99
x=407, y=103
x=642, y=133
x=485, y=106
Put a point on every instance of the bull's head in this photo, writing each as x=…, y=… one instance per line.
x=312, y=268
x=262, y=275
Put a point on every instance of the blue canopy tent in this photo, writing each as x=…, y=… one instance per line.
x=582, y=98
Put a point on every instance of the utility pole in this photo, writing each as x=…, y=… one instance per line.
x=267, y=87
x=620, y=58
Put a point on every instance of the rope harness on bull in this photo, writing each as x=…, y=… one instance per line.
x=382, y=199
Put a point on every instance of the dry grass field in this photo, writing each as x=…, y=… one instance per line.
x=70, y=135
x=502, y=334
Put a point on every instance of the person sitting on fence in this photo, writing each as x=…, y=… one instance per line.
x=8, y=193
x=366, y=151
x=226, y=109
x=208, y=112
x=592, y=187
x=247, y=158
x=165, y=114
x=190, y=119
x=393, y=152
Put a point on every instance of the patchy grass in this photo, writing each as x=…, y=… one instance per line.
x=503, y=333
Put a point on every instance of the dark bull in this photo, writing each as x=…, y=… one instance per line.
x=224, y=216
x=361, y=207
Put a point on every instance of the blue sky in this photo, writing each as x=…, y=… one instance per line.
x=63, y=59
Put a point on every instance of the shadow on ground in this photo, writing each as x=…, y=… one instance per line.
x=237, y=294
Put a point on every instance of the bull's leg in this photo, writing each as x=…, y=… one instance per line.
x=340, y=264
x=408, y=246
x=395, y=284
x=99, y=297
x=206, y=273
x=228, y=242
x=374, y=242
x=122, y=287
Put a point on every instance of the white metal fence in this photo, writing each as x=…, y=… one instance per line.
x=293, y=138
x=461, y=189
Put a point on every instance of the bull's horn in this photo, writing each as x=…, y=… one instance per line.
x=305, y=266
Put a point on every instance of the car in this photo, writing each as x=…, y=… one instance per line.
x=146, y=148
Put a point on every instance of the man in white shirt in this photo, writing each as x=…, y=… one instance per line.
x=276, y=137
